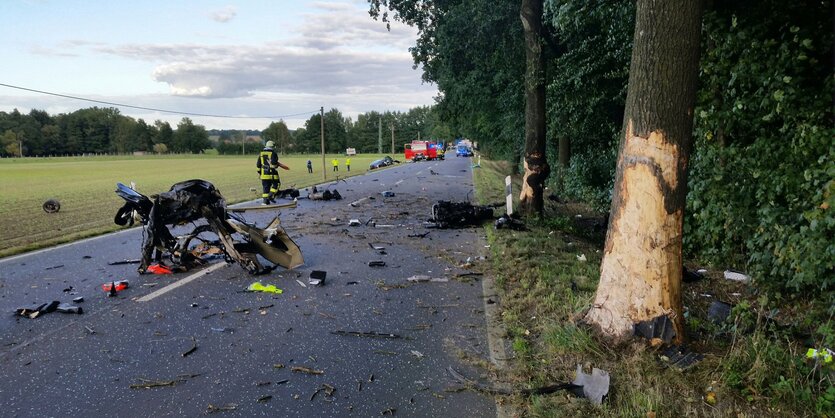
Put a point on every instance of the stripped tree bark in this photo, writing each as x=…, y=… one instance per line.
x=536, y=164
x=640, y=276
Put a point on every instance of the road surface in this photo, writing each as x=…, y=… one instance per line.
x=201, y=345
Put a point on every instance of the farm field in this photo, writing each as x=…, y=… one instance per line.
x=84, y=186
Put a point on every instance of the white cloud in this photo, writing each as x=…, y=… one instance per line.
x=224, y=15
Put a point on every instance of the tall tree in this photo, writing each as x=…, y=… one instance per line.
x=537, y=170
x=640, y=276
x=278, y=133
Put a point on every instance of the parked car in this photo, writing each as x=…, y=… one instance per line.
x=382, y=162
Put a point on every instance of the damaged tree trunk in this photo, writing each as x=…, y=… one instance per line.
x=640, y=275
x=536, y=163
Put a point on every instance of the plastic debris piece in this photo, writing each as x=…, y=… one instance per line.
x=680, y=358
x=376, y=264
x=824, y=355
x=719, y=311
x=158, y=269
x=113, y=287
x=387, y=193
x=581, y=257
x=660, y=327
x=595, y=385
x=688, y=276
x=67, y=308
x=78, y=299
x=38, y=310
x=737, y=276
x=258, y=287
x=354, y=222
x=317, y=278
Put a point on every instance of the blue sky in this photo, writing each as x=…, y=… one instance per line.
x=243, y=58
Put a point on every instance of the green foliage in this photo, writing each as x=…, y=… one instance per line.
x=761, y=183
x=587, y=91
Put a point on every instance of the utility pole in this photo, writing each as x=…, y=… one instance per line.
x=243, y=143
x=380, y=135
x=322, y=126
x=392, y=138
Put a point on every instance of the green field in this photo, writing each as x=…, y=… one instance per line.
x=84, y=186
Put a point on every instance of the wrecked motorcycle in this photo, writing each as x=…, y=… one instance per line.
x=190, y=201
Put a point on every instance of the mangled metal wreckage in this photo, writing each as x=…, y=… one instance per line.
x=189, y=201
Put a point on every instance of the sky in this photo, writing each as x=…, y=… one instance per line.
x=259, y=61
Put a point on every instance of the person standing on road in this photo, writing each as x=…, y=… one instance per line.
x=335, y=163
x=268, y=170
x=309, y=166
x=348, y=163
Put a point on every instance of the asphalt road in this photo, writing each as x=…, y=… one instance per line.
x=206, y=346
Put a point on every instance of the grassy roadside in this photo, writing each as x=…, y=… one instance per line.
x=84, y=186
x=753, y=363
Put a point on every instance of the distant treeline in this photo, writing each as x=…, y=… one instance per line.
x=105, y=130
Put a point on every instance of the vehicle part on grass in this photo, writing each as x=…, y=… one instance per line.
x=447, y=214
x=660, y=327
x=192, y=200
x=51, y=206
x=595, y=385
x=38, y=309
x=688, y=276
x=376, y=264
x=718, y=312
x=737, y=276
x=258, y=287
x=680, y=357
x=509, y=222
x=317, y=278
x=823, y=355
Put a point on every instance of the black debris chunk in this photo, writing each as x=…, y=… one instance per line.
x=719, y=311
x=660, y=327
x=459, y=214
x=688, y=276
x=509, y=222
x=680, y=358
x=376, y=264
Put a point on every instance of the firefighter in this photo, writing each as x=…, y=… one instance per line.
x=335, y=163
x=268, y=170
x=348, y=163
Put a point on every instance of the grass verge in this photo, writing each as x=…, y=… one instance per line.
x=84, y=186
x=754, y=363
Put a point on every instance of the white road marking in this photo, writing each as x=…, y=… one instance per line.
x=187, y=280
x=398, y=182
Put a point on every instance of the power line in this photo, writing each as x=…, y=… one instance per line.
x=155, y=109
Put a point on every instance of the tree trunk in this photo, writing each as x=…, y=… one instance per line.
x=536, y=163
x=640, y=277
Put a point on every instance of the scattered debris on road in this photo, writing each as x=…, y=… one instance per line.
x=192, y=349
x=125, y=261
x=376, y=264
x=113, y=288
x=307, y=370
x=447, y=214
x=228, y=407
x=367, y=334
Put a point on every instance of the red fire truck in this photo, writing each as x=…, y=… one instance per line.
x=423, y=150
